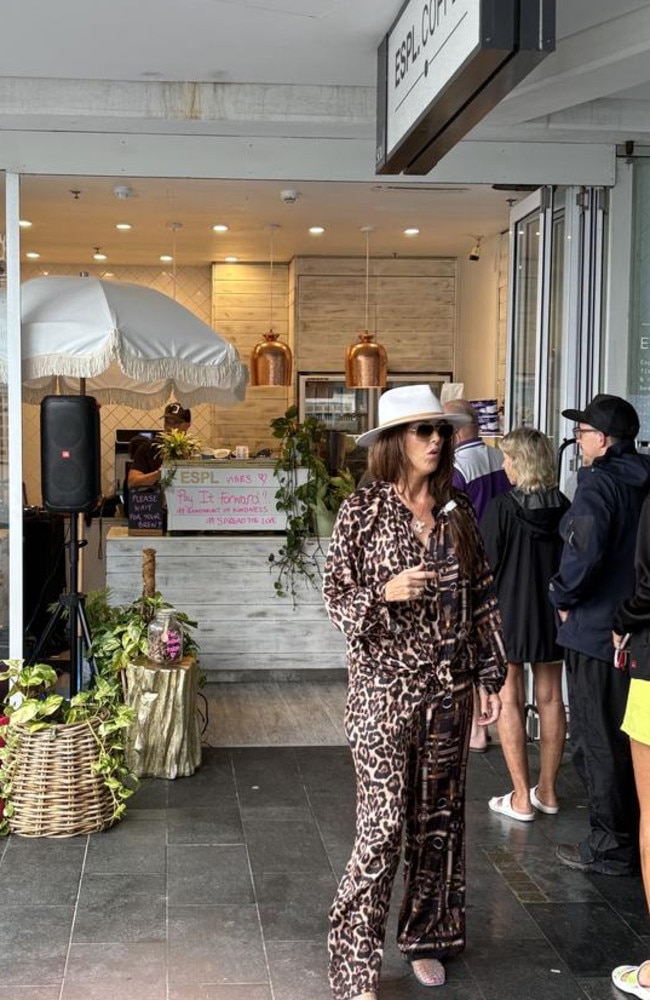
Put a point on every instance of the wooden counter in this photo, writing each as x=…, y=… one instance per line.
x=224, y=583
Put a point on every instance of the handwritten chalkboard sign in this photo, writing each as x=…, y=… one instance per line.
x=145, y=512
x=234, y=496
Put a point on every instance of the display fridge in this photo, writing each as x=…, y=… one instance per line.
x=353, y=411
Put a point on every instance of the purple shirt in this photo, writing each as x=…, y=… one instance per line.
x=478, y=472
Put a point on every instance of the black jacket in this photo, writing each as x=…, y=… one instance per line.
x=599, y=533
x=633, y=615
x=523, y=545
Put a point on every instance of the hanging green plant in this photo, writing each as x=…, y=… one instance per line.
x=302, y=497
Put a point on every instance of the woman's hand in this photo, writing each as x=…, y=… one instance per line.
x=408, y=585
x=490, y=707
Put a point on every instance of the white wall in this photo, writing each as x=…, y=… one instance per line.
x=476, y=350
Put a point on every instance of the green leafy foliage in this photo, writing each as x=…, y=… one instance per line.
x=300, y=444
x=175, y=446
x=33, y=704
x=119, y=633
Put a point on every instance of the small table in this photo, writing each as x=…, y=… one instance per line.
x=164, y=739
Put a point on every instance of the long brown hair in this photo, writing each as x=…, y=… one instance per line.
x=388, y=461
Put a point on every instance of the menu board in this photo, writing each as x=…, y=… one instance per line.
x=207, y=496
x=145, y=511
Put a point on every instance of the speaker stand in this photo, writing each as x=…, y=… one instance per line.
x=74, y=605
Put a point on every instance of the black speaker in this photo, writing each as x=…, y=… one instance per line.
x=70, y=453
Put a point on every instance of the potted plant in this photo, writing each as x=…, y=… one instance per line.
x=62, y=767
x=164, y=738
x=310, y=505
x=175, y=446
x=119, y=632
x=330, y=493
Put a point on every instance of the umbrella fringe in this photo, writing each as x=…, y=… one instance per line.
x=227, y=371
x=150, y=401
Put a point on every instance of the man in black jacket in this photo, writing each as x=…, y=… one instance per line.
x=596, y=573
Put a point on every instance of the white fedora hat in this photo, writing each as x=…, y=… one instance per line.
x=405, y=405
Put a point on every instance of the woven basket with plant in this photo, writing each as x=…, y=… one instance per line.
x=62, y=768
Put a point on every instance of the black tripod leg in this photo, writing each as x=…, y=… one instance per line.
x=49, y=629
x=85, y=631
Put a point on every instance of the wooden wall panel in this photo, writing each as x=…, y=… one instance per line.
x=411, y=310
x=242, y=311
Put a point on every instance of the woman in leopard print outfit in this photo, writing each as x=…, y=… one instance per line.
x=407, y=581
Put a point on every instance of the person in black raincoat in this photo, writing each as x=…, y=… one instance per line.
x=596, y=574
x=521, y=535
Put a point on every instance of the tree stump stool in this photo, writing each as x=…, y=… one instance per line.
x=164, y=739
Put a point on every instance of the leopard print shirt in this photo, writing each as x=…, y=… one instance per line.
x=455, y=629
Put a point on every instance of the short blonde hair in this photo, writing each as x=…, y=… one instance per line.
x=532, y=457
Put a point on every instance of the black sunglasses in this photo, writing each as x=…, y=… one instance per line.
x=424, y=431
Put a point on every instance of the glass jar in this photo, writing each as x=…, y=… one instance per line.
x=164, y=637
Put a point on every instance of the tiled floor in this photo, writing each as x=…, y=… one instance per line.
x=216, y=887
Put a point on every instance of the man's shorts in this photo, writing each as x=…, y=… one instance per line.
x=637, y=712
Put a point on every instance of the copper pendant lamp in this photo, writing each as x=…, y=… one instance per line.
x=366, y=363
x=271, y=360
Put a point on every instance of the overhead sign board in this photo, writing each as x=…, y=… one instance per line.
x=444, y=65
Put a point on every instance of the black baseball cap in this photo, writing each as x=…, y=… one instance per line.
x=611, y=415
x=178, y=413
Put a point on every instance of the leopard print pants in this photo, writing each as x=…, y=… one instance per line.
x=410, y=755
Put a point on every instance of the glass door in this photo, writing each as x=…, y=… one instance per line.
x=11, y=439
x=554, y=329
x=4, y=458
x=526, y=256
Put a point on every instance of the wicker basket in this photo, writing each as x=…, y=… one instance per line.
x=55, y=791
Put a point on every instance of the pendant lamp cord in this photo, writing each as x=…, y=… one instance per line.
x=174, y=261
x=367, y=274
x=271, y=275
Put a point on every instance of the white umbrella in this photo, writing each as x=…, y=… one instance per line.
x=132, y=344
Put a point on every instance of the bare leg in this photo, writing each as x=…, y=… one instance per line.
x=478, y=735
x=552, y=727
x=641, y=762
x=512, y=734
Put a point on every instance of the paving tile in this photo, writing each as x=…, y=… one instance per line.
x=285, y=847
x=557, y=882
x=206, y=876
x=586, y=935
x=121, y=971
x=30, y=993
x=299, y=970
x=268, y=776
x=294, y=906
x=121, y=908
x=335, y=816
x=131, y=846
x=151, y=794
x=33, y=944
x=522, y=968
x=41, y=872
x=626, y=897
x=326, y=769
x=494, y=911
x=207, y=991
x=213, y=783
x=601, y=988
x=219, y=824
x=215, y=944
